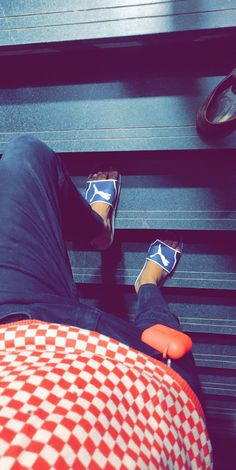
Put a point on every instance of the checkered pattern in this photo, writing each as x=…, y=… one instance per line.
x=75, y=399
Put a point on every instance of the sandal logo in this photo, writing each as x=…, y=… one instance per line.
x=106, y=196
x=163, y=258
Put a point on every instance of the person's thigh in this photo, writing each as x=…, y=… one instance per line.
x=34, y=265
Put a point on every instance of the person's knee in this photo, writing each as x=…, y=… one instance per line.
x=27, y=148
x=24, y=141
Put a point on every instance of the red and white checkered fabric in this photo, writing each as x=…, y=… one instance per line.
x=75, y=399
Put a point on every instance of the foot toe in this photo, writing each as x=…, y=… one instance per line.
x=101, y=175
x=113, y=174
x=173, y=244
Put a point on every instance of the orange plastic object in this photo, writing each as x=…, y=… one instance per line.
x=171, y=343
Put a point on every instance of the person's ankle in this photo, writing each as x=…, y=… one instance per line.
x=104, y=240
x=148, y=278
x=102, y=210
x=150, y=274
x=142, y=282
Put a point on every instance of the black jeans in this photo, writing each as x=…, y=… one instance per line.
x=39, y=208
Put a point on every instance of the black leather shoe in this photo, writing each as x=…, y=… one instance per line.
x=217, y=116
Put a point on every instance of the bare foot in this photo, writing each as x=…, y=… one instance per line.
x=152, y=273
x=103, y=241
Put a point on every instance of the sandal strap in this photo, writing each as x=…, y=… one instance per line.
x=163, y=255
x=102, y=191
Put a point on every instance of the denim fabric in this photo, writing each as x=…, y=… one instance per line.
x=37, y=201
x=39, y=208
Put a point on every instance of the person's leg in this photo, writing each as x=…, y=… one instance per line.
x=38, y=205
x=152, y=309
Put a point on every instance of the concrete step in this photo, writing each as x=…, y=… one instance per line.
x=45, y=23
x=132, y=115
x=218, y=385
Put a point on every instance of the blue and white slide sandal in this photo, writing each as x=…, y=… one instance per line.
x=164, y=255
x=107, y=191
